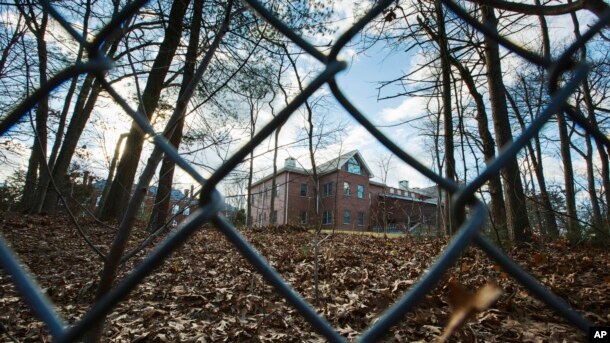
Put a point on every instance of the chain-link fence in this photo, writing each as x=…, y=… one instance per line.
x=564, y=69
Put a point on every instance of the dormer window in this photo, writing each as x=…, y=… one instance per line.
x=353, y=166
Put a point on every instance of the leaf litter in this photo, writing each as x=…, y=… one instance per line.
x=206, y=292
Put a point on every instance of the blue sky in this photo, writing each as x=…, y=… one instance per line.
x=359, y=82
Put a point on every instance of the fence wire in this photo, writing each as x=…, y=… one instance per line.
x=564, y=68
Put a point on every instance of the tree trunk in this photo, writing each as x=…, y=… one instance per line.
x=115, y=157
x=549, y=213
x=120, y=189
x=568, y=175
x=603, y=156
x=273, y=182
x=515, y=204
x=498, y=209
x=497, y=205
x=166, y=174
x=45, y=177
x=548, y=223
x=85, y=102
x=595, y=209
x=37, y=161
x=89, y=93
x=447, y=115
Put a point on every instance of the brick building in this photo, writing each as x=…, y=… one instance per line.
x=349, y=199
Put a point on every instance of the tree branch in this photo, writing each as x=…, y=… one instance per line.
x=597, y=7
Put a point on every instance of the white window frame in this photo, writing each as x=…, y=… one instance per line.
x=347, y=188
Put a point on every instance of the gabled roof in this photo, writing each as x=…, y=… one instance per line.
x=324, y=168
x=339, y=162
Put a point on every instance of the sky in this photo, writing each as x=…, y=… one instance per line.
x=359, y=82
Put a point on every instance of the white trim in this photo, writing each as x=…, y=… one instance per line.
x=286, y=198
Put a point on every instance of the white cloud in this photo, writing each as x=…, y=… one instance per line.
x=410, y=107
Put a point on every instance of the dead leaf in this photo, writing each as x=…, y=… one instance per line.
x=539, y=258
x=432, y=329
x=151, y=312
x=161, y=337
x=464, y=304
x=217, y=296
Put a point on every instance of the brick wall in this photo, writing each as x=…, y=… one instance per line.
x=291, y=205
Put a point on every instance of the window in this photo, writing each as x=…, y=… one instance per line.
x=303, y=189
x=327, y=189
x=353, y=166
x=360, y=191
x=346, y=188
x=277, y=190
x=347, y=216
x=360, y=218
x=327, y=217
x=186, y=211
x=274, y=217
x=303, y=217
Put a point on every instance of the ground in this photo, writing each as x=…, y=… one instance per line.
x=207, y=292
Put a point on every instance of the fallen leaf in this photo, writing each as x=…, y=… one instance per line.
x=464, y=304
x=539, y=258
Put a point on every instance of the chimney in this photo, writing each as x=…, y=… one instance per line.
x=290, y=163
x=186, y=192
x=403, y=184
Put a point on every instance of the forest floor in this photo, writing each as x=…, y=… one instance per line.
x=207, y=292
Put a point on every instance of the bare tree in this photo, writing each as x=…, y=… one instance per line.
x=515, y=198
x=166, y=173
x=126, y=170
x=37, y=25
x=384, y=163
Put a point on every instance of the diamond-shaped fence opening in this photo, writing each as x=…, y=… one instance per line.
x=211, y=201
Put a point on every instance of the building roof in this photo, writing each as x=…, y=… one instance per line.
x=432, y=201
x=338, y=162
x=431, y=191
x=377, y=183
x=280, y=171
x=324, y=168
